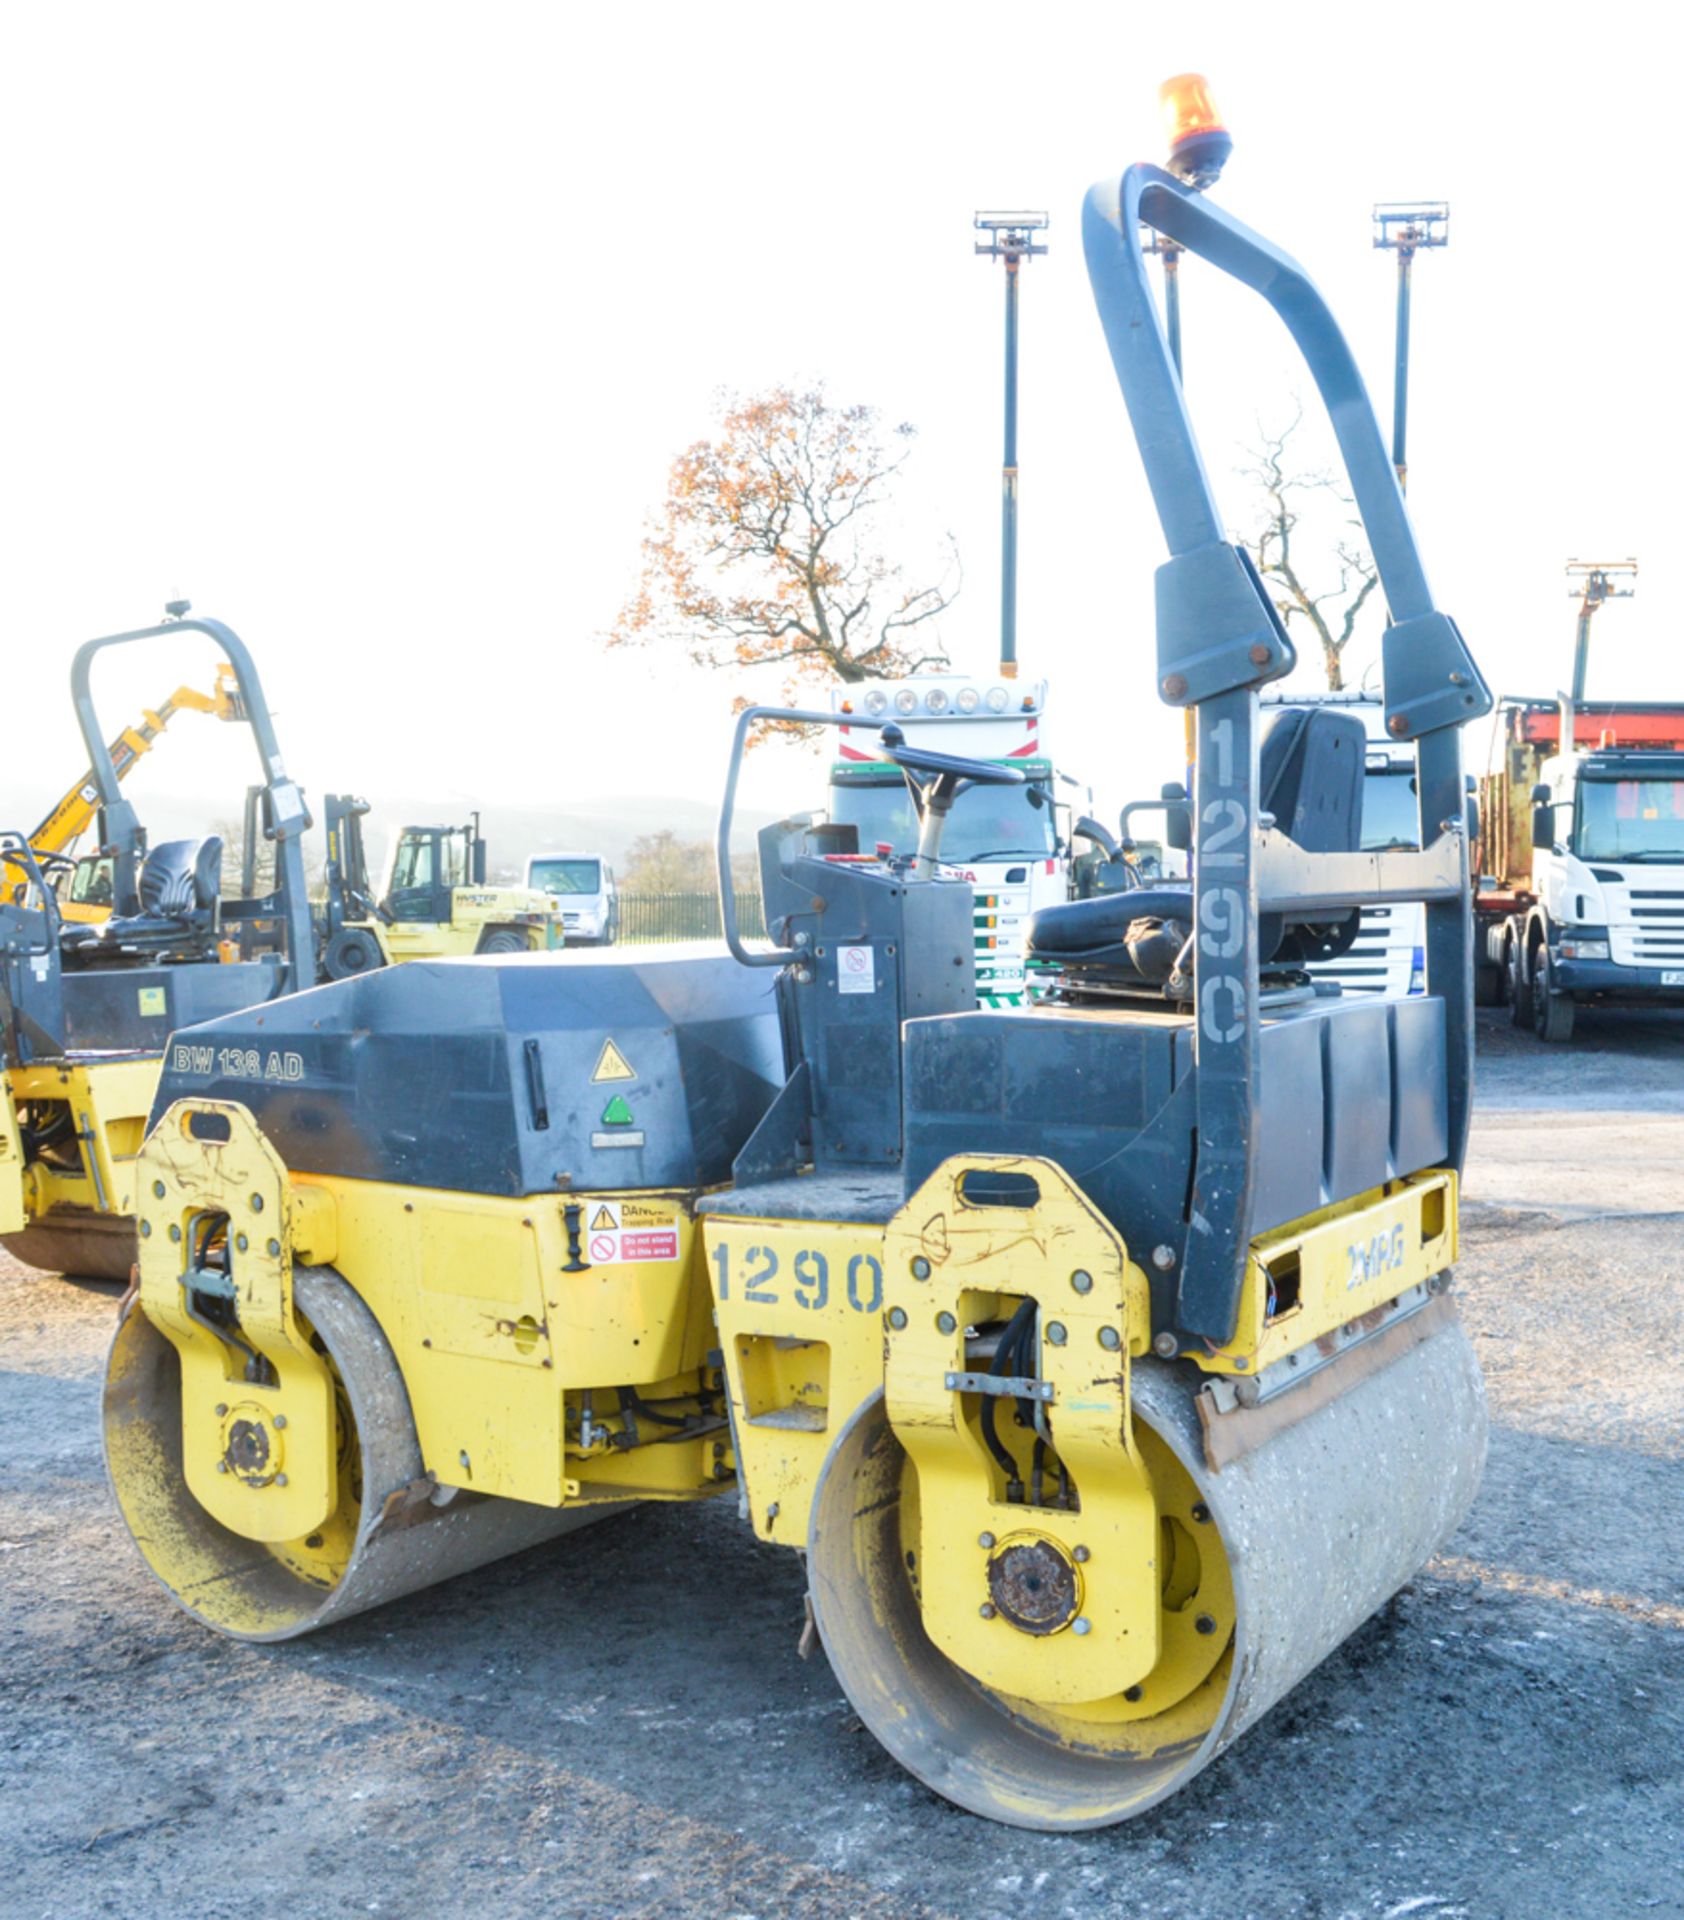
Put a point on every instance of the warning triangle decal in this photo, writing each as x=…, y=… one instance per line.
x=604, y=1221
x=612, y=1064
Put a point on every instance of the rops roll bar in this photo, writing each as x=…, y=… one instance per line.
x=287, y=813
x=1219, y=639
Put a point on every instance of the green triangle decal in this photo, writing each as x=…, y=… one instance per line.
x=617, y=1113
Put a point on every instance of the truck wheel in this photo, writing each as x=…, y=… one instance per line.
x=1519, y=987
x=1552, y=1012
x=504, y=940
x=351, y=951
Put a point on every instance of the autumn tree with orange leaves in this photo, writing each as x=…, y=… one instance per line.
x=769, y=550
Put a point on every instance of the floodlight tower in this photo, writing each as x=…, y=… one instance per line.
x=1406, y=228
x=1011, y=238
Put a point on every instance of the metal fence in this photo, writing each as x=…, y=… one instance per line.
x=685, y=916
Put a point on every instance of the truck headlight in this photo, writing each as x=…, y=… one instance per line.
x=1584, y=949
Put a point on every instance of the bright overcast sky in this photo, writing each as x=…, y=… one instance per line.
x=374, y=329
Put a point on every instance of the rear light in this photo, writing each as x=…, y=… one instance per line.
x=935, y=701
x=969, y=700
x=906, y=701
x=876, y=701
x=997, y=699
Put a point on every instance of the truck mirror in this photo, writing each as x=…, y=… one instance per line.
x=1541, y=794
x=1178, y=826
x=1473, y=820
x=1543, y=827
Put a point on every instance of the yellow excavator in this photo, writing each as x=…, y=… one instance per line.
x=84, y=885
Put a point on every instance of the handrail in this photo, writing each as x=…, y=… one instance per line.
x=16, y=849
x=798, y=716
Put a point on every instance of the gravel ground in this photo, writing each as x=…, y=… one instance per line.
x=617, y=1724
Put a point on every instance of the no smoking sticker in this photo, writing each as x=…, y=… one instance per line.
x=856, y=970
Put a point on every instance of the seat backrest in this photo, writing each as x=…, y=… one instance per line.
x=181, y=877
x=1310, y=777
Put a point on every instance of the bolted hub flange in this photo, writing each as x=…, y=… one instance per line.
x=251, y=1447
x=1034, y=1583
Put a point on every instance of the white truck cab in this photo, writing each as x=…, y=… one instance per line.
x=1581, y=890
x=1004, y=840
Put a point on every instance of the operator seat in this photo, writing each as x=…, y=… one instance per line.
x=1310, y=779
x=179, y=886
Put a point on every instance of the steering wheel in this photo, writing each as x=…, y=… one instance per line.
x=952, y=766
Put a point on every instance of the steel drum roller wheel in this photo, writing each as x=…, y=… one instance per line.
x=78, y=1243
x=361, y=1556
x=1270, y=1564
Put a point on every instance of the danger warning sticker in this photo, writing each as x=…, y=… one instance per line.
x=630, y=1233
x=612, y=1064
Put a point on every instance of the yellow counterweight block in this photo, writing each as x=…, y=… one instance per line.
x=328, y=1393
x=1035, y=1586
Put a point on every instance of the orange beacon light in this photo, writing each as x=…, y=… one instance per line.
x=1199, y=144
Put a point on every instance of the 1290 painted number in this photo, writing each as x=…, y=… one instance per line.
x=808, y=1279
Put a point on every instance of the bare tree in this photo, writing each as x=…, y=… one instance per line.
x=1279, y=547
x=661, y=862
x=767, y=550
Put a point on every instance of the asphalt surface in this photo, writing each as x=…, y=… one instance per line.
x=618, y=1724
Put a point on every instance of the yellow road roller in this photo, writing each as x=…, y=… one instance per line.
x=87, y=1006
x=1098, y=1355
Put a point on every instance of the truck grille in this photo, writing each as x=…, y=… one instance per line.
x=1374, y=964
x=1655, y=936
